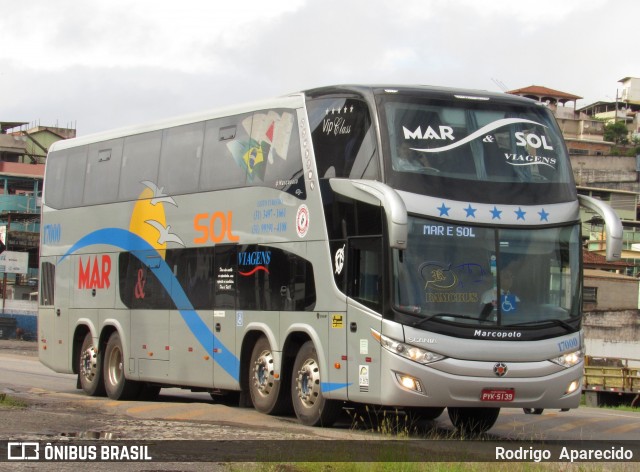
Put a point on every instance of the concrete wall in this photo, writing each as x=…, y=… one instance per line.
x=613, y=334
x=613, y=172
x=615, y=291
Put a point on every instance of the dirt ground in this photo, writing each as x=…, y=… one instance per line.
x=17, y=346
x=47, y=416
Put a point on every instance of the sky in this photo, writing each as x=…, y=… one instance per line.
x=98, y=65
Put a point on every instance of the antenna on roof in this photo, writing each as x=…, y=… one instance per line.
x=500, y=84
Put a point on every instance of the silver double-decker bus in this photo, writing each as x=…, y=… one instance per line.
x=409, y=247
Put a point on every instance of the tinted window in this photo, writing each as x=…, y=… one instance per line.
x=474, y=150
x=194, y=271
x=180, y=158
x=365, y=260
x=273, y=279
x=226, y=266
x=139, y=163
x=139, y=285
x=56, y=167
x=225, y=276
x=74, y=177
x=343, y=138
x=274, y=152
x=103, y=172
x=47, y=283
x=225, y=157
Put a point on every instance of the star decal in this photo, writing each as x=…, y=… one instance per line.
x=544, y=216
x=444, y=210
x=495, y=213
x=471, y=212
x=520, y=214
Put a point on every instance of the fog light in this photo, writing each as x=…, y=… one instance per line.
x=573, y=386
x=409, y=383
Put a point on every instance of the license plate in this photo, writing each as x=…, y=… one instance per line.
x=498, y=395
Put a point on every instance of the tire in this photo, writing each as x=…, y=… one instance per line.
x=265, y=389
x=310, y=406
x=473, y=421
x=424, y=413
x=90, y=368
x=533, y=411
x=118, y=387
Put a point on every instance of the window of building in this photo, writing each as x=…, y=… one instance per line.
x=590, y=294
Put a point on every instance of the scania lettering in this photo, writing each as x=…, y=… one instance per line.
x=394, y=246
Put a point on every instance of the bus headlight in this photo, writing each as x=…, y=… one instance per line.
x=570, y=359
x=573, y=386
x=413, y=353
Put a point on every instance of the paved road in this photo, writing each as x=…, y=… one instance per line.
x=22, y=375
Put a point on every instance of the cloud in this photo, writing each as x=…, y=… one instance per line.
x=110, y=64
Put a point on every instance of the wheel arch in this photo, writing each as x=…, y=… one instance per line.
x=83, y=326
x=248, y=342
x=292, y=344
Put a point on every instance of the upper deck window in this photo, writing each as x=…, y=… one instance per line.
x=432, y=143
x=343, y=138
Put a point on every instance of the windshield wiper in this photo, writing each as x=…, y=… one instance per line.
x=444, y=315
x=553, y=321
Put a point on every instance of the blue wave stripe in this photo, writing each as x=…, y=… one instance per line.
x=129, y=241
x=330, y=386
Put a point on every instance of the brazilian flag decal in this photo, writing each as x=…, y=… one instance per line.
x=252, y=157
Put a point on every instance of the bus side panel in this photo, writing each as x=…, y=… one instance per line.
x=190, y=363
x=226, y=366
x=94, y=281
x=337, y=353
x=59, y=340
x=150, y=344
x=364, y=355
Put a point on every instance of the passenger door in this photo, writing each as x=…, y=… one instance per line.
x=365, y=290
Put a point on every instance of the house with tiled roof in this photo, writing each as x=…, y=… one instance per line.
x=583, y=134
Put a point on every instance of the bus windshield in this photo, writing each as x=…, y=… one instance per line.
x=444, y=145
x=488, y=276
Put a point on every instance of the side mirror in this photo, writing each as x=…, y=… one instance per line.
x=613, y=226
x=377, y=193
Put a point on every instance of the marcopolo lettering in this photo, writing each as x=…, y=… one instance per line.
x=481, y=333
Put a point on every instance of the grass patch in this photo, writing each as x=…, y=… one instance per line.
x=428, y=467
x=7, y=401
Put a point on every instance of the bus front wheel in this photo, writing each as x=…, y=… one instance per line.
x=90, y=368
x=310, y=405
x=473, y=421
x=118, y=387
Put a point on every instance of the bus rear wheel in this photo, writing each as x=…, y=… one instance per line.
x=90, y=368
x=473, y=421
x=310, y=405
x=118, y=387
x=266, y=393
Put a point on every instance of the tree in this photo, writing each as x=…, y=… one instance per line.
x=616, y=132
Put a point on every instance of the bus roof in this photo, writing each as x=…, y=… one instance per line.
x=295, y=100
x=435, y=91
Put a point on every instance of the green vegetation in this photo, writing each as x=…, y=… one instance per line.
x=428, y=466
x=9, y=402
x=616, y=132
